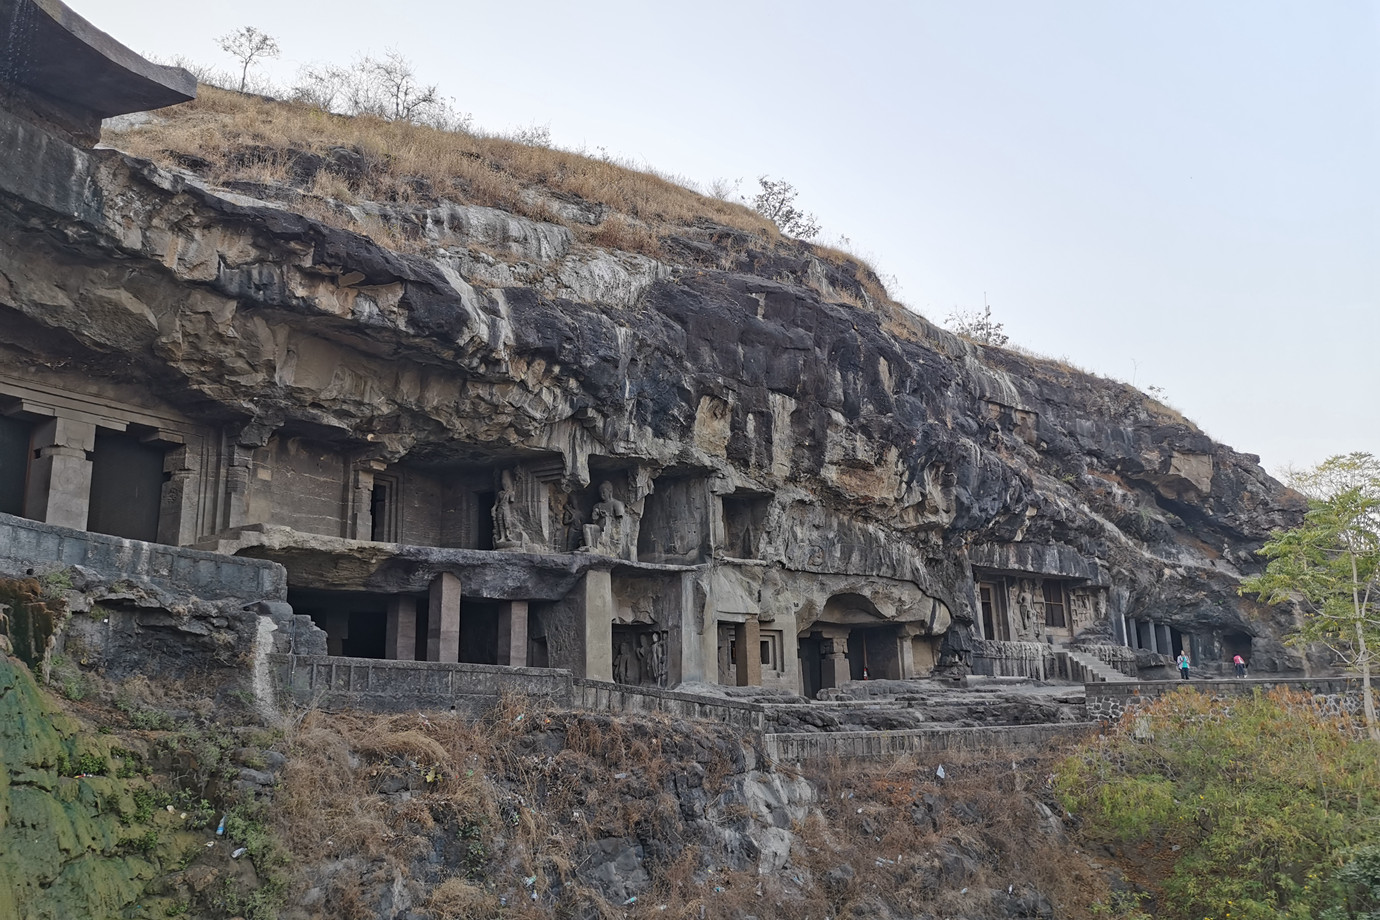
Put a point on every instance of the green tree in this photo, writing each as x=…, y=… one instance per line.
x=1330, y=564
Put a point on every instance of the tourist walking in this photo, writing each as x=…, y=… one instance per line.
x=1240, y=664
x=1183, y=665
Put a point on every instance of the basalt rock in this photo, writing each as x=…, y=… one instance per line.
x=781, y=448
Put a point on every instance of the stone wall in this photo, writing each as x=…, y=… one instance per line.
x=602, y=695
x=1108, y=702
x=797, y=748
x=29, y=545
x=335, y=682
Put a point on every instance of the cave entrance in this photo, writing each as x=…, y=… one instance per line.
x=355, y=623
x=1236, y=643
x=873, y=651
x=479, y=631
x=126, y=486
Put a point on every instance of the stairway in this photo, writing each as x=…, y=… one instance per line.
x=1089, y=669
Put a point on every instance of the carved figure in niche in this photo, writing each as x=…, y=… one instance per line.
x=1025, y=603
x=507, y=532
x=574, y=521
x=644, y=657
x=658, y=658
x=625, y=664
x=605, y=535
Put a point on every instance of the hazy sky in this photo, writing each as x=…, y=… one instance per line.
x=1177, y=194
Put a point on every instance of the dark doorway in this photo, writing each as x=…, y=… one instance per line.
x=811, y=669
x=1056, y=605
x=873, y=649
x=484, y=528
x=14, y=464
x=356, y=624
x=991, y=598
x=383, y=510
x=1236, y=643
x=126, y=486
x=479, y=631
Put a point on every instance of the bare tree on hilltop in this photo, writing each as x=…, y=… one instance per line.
x=776, y=202
x=979, y=327
x=248, y=45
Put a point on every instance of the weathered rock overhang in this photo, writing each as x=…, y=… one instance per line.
x=339, y=564
x=63, y=72
x=1050, y=560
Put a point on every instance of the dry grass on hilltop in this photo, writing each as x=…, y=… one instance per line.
x=416, y=164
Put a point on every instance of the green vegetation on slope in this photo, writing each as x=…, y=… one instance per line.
x=1261, y=807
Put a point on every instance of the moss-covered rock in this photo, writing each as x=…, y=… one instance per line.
x=79, y=836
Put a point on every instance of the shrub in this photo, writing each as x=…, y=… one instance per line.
x=1248, y=807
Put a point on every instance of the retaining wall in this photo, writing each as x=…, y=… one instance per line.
x=797, y=748
x=335, y=682
x=1108, y=702
x=602, y=695
x=26, y=544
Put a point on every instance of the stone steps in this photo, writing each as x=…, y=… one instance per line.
x=1089, y=669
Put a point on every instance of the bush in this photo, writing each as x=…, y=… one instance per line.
x=1247, y=807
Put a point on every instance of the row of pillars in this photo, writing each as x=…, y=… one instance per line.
x=443, y=626
x=59, y=480
x=1147, y=634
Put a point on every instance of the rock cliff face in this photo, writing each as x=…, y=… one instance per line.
x=786, y=455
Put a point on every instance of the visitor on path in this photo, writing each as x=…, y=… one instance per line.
x=1240, y=664
x=1183, y=665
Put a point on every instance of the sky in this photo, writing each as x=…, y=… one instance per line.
x=1179, y=194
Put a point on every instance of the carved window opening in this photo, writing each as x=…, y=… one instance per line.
x=770, y=648
x=126, y=486
x=1056, y=604
x=384, y=510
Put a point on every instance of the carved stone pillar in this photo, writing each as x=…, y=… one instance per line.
x=835, y=664
x=59, y=490
x=400, y=638
x=177, y=524
x=361, y=522
x=443, y=619
x=512, y=634
x=237, y=471
x=747, y=658
x=597, y=600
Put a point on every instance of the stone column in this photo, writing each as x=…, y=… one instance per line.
x=237, y=472
x=1154, y=630
x=59, y=490
x=512, y=634
x=443, y=619
x=748, y=660
x=337, y=631
x=835, y=665
x=905, y=650
x=177, y=509
x=361, y=524
x=597, y=597
x=400, y=637
x=1167, y=641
